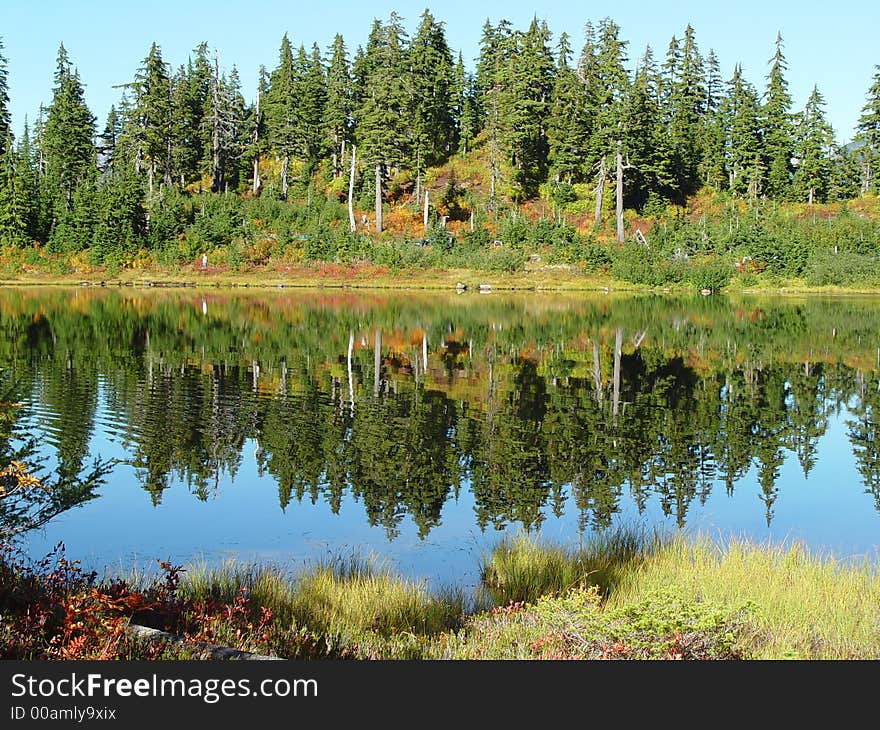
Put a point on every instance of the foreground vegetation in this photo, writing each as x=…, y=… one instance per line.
x=623, y=596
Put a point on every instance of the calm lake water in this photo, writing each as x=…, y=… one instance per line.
x=289, y=425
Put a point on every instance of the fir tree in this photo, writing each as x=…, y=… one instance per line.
x=150, y=120
x=686, y=110
x=383, y=117
x=868, y=136
x=431, y=89
x=813, y=150
x=778, y=127
x=338, y=121
x=281, y=111
x=566, y=128
x=67, y=139
x=742, y=141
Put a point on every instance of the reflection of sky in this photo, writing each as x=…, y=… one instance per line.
x=830, y=511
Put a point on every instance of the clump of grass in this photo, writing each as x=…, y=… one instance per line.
x=266, y=586
x=523, y=568
x=806, y=605
x=355, y=596
x=343, y=596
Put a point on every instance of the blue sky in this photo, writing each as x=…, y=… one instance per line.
x=831, y=45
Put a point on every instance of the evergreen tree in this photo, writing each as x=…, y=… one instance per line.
x=281, y=111
x=647, y=142
x=67, y=138
x=686, y=110
x=711, y=167
x=742, y=137
x=566, y=128
x=813, y=151
x=526, y=104
x=311, y=93
x=868, y=137
x=431, y=89
x=467, y=108
x=108, y=140
x=150, y=121
x=338, y=121
x=255, y=143
x=778, y=129
x=607, y=81
x=497, y=47
x=13, y=224
x=383, y=117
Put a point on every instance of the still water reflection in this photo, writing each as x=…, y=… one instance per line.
x=278, y=425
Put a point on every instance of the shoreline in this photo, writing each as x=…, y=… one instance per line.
x=538, y=280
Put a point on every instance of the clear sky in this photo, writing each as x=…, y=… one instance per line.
x=834, y=46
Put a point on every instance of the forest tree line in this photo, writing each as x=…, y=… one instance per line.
x=650, y=129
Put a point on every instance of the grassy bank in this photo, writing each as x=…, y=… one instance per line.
x=547, y=278
x=622, y=596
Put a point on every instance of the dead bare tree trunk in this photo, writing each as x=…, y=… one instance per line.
x=600, y=188
x=618, y=343
x=597, y=373
x=619, y=194
x=350, y=378
x=378, y=197
x=216, y=168
x=351, y=223
x=257, y=182
x=377, y=362
x=285, y=163
x=425, y=216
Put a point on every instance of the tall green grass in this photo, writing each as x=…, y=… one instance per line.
x=524, y=568
x=806, y=605
x=340, y=596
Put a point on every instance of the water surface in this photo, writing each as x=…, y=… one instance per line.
x=289, y=425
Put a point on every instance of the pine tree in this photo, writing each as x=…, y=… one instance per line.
x=778, y=129
x=467, y=108
x=711, y=167
x=67, y=138
x=813, y=150
x=311, y=92
x=566, y=127
x=431, y=84
x=686, y=110
x=525, y=104
x=338, y=121
x=151, y=121
x=383, y=117
x=868, y=136
x=281, y=111
x=742, y=140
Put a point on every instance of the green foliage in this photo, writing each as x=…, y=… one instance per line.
x=825, y=268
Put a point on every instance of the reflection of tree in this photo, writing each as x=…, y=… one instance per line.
x=399, y=401
x=510, y=474
x=29, y=498
x=864, y=433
